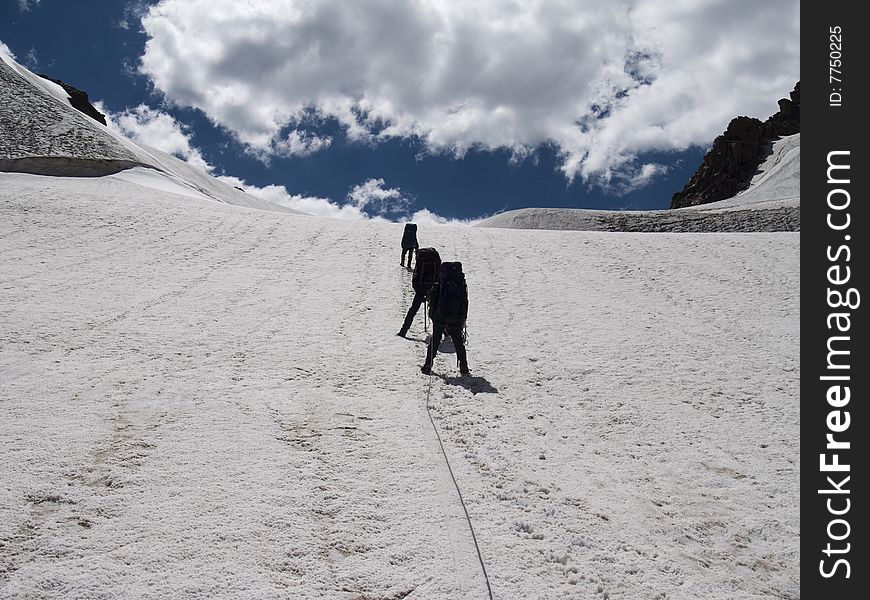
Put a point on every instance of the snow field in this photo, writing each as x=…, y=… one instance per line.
x=201, y=399
x=770, y=203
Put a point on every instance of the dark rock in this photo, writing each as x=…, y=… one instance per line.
x=736, y=154
x=79, y=100
x=788, y=120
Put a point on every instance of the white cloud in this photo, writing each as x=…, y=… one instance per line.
x=427, y=217
x=157, y=129
x=6, y=50
x=629, y=176
x=313, y=205
x=372, y=194
x=161, y=130
x=369, y=193
x=300, y=144
x=604, y=82
x=26, y=5
x=133, y=12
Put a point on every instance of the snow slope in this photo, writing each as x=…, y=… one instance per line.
x=203, y=400
x=777, y=183
x=771, y=203
x=41, y=133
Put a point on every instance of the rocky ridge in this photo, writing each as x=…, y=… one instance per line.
x=79, y=100
x=734, y=158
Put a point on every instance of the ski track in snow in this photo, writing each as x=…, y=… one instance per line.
x=203, y=400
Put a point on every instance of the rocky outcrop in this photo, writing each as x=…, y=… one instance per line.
x=79, y=100
x=736, y=154
x=788, y=120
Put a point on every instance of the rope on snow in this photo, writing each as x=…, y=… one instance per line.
x=456, y=485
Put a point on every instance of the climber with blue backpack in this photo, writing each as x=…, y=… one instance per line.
x=448, y=309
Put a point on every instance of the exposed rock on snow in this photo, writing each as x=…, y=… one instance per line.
x=769, y=200
x=79, y=100
x=41, y=133
x=732, y=161
x=728, y=166
x=771, y=203
x=776, y=184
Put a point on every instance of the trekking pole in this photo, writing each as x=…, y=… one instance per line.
x=426, y=315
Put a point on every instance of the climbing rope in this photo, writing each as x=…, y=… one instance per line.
x=455, y=484
x=444, y=453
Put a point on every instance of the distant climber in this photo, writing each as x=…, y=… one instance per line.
x=425, y=275
x=448, y=308
x=409, y=243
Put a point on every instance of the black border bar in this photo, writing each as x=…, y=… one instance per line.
x=834, y=225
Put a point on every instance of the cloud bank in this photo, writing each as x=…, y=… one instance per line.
x=604, y=82
x=370, y=200
x=391, y=204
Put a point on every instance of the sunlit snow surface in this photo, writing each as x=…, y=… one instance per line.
x=205, y=400
x=770, y=203
x=202, y=400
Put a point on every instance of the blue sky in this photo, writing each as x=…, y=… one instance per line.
x=460, y=109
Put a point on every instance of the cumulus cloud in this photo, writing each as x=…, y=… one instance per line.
x=313, y=205
x=370, y=200
x=372, y=195
x=300, y=144
x=390, y=203
x=604, y=82
x=394, y=205
x=157, y=129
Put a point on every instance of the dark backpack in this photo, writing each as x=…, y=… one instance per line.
x=426, y=269
x=409, y=237
x=452, y=303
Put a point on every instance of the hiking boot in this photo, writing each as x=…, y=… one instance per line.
x=426, y=369
x=402, y=333
x=464, y=371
